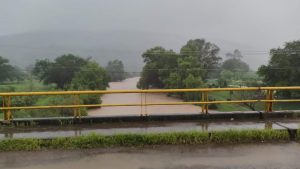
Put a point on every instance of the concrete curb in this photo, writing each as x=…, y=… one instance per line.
x=170, y=117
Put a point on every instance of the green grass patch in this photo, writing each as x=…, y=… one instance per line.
x=130, y=140
x=249, y=136
x=26, y=86
x=224, y=95
x=21, y=144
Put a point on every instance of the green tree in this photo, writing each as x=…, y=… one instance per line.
x=192, y=82
x=42, y=68
x=59, y=72
x=234, y=63
x=90, y=77
x=173, y=81
x=9, y=72
x=226, y=76
x=159, y=63
x=283, y=68
x=115, y=70
x=235, y=55
x=167, y=69
x=186, y=66
x=206, y=55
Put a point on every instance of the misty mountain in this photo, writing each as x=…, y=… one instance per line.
x=23, y=49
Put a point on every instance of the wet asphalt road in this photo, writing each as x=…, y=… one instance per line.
x=248, y=156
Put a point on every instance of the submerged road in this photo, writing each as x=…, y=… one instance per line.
x=262, y=156
x=130, y=83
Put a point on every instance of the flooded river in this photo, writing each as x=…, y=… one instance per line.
x=261, y=156
x=136, y=98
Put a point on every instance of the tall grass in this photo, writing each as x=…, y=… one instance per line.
x=129, y=140
x=249, y=136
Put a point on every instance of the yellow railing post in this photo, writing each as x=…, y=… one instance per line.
x=7, y=104
x=76, y=111
x=141, y=113
x=204, y=98
x=269, y=105
x=145, y=104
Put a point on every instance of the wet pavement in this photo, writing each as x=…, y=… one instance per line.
x=145, y=127
x=261, y=156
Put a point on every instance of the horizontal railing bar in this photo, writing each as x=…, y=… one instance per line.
x=146, y=104
x=147, y=91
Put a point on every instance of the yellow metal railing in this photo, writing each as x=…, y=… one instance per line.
x=7, y=105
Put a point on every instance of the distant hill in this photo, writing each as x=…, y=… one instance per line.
x=24, y=49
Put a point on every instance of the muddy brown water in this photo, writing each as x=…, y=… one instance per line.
x=136, y=98
x=250, y=156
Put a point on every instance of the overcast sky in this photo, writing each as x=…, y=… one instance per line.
x=253, y=25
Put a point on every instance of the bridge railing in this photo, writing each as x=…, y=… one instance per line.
x=7, y=107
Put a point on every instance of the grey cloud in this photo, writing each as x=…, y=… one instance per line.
x=256, y=25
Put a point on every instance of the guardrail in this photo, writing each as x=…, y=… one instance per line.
x=269, y=99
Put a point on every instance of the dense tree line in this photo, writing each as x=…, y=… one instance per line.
x=115, y=70
x=283, y=67
x=70, y=72
x=66, y=72
x=61, y=71
x=168, y=69
x=197, y=62
x=187, y=69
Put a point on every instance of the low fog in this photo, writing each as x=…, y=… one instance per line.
x=117, y=29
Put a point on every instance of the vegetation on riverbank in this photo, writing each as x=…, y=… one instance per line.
x=66, y=72
x=128, y=140
x=198, y=65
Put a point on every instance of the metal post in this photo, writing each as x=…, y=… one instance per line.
x=269, y=105
x=141, y=113
x=204, y=98
x=7, y=104
x=145, y=107
x=76, y=111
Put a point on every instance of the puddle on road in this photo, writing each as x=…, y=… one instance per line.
x=147, y=127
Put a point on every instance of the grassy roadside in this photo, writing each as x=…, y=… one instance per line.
x=128, y=140
x=224, y=95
